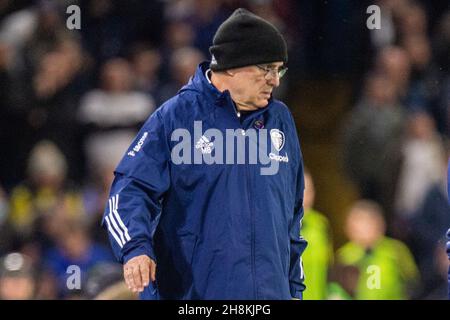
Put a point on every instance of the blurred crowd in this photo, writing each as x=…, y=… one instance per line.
x=72, y=100
x=395, y=139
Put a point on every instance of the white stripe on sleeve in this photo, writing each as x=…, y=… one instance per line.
x=117, y=216
x=113, y=232
x=302, y=274
x=113, y=221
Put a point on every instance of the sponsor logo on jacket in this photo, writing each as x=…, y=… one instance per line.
x=235, y=146
x=205, y=145
x=138, y=145
x=277, y=138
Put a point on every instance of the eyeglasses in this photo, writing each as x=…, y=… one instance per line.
x=280, y=72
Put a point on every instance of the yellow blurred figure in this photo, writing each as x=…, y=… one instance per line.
x=387, y=270
x=318, y=256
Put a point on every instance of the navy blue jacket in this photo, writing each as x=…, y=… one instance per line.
x=216, y=231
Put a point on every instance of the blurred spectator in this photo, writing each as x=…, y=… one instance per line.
x=183, y=64
x=319, y=256
x=48, y=31
x=146, y=62
x=371, y=136
x=17, y=277
x=179, y=34
x=429, y=223
x=47, y=182
x=396, y=272
x=419, y=53
x=386, y=35
x=56, y=69
x=412, y=19
x=112, y=114
x=393, y=62
x=423, y=160
x=423, y=83
x=55, y=89
x=74, y=246
x=426, y=80
x=16, y=29
x=342, y=282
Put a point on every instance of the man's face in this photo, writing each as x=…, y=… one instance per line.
x=252, y=86
x=364, y=227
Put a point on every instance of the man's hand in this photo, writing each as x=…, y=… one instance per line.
x=138, y=272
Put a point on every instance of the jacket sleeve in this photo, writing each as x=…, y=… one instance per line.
x=298, y=243
x=134, y=206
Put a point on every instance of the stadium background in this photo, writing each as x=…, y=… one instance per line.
x=371, y=107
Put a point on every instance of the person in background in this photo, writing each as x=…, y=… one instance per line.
x=74, y=247
x=319, y=256
x=17, y=277
x=111, y=115
x=47, y=183
x=183, y=63
x=371, y=137
x=342, y=282
x=387, y=268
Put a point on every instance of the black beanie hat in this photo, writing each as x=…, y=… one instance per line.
x=245, y=39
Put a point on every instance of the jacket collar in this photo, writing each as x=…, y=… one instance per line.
x=199, y=82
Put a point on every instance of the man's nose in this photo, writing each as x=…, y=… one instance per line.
x=274, y=81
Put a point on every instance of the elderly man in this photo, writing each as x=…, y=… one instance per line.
x=200, y=208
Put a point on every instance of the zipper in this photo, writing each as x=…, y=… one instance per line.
x=252, y=216
x=252, y=222
x=238, y=114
